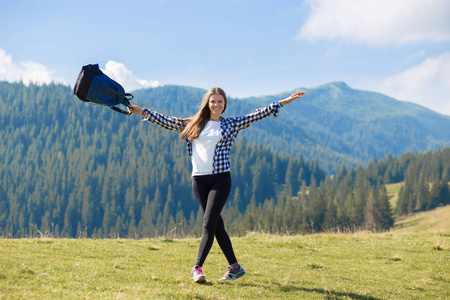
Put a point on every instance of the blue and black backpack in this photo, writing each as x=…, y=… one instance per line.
x=94, y=86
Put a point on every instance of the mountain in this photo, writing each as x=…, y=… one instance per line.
x=74, y=169
x=332, y=123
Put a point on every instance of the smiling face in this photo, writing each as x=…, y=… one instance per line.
x=216, y=105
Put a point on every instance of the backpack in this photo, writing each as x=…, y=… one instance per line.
x=94, y=86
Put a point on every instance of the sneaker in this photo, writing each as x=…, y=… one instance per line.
x=197, y=275
x=233, y=274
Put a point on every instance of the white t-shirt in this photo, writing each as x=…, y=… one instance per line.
x=203, y=149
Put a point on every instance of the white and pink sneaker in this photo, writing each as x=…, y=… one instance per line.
x=197, y=275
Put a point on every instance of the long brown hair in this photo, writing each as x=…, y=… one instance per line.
x=196, y=123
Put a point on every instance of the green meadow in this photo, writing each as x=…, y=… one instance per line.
x=410, y=262
x=393, y=190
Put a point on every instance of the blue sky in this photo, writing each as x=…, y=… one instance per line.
x=248, y=47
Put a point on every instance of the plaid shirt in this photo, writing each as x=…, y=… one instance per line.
x=230, y=128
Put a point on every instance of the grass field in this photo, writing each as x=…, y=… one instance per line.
x=411, y=262
x=436, y=220
x=392, y=190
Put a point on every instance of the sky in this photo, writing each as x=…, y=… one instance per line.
x=400, y=48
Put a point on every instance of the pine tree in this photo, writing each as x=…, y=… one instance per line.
x=422, y=194
x=381, y=210
x=267, y=213
x=250, y=220
x=403, y=201
x=369, y=218
x=303, y=210
x=440, y=193
x=318, y=209
x=168, y=207
x=434, y=193
x=330, y=218
x=291, y=178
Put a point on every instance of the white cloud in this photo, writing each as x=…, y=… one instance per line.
x=25, y=71
x=34, y=72
x=121, y=74
x=378, y=22
x=427, y=84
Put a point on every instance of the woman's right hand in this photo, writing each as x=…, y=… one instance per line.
x=134, y=109
x=292, y=98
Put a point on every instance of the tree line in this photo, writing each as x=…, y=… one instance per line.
x=76, y=170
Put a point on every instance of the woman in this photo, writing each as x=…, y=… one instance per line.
x=209, y=137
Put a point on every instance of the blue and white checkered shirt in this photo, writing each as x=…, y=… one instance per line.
x=230, y=128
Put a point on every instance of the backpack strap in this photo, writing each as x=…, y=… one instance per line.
x=120, y=110
x=126, y=102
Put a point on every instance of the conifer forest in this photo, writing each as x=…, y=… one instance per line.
x=70, y=169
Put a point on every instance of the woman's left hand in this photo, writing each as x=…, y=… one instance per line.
x=292, y=98
x=134, y=109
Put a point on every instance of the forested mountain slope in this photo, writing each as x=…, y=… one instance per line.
x=77, y=169
x=332, y=123
x=73, y=167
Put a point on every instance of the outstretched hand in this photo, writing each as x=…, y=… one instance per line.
x=292, y=98
x=134, y=109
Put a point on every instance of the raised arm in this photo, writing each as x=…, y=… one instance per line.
x=168, y=122
x=291, y=98
x=261, y=113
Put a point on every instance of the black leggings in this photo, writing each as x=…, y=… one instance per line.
x=212, y=192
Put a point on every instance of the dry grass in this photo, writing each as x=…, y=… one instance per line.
x=436, y=220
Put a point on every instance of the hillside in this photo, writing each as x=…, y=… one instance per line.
x=75, y=170
x=333, y=123
x=436, y=220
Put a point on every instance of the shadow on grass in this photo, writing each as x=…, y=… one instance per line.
x=205, y=283
x=327, y=293
x=337, y=295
